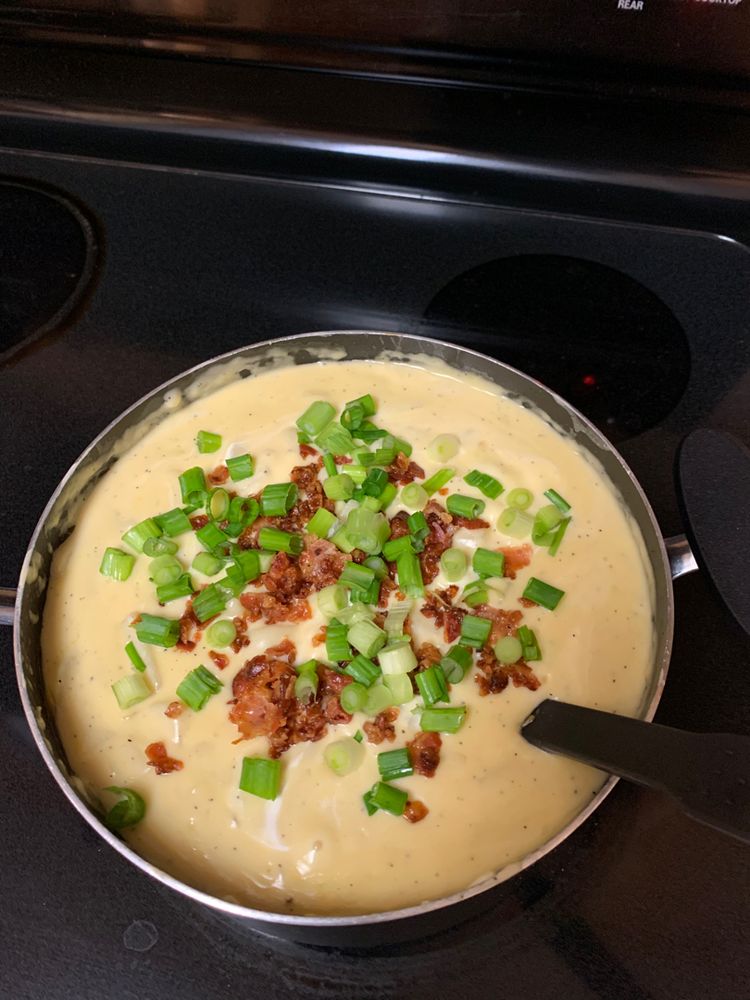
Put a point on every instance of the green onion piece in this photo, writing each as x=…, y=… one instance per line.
x=520, y=498
x=475, y=593
x=210, y=536
x=453, y=563
x=174, y=522
x=306, y=687
x=514, y=522
x=339, y=487
x=353, y=697
x=375, y=483
x=159, y=547
x=381, y=456
x=358, y=736
x=456, y=664
x=437, y=481
x=543, y=593
x=218, y=503
x=335, y=438
x=475, y=631
x=400, y=688
x=560, y=502
x=303, y=438
x=321, y=523
x=378, y=699
x=164, y=569
x=128, y=811
x=137, y=536
x=209, y=602
x=357, y=473
x=395, y=764
x=232, y=583
x=356, y=410
x=508, y=649
x=396, y=619
x=378, y=566
x=410, y=575
x=419, y=529
x=357, y=612
x=247, y=562
x=243, y=510
x=388, y=495
x=278, y=499
x=329, y=464
x=368, y=432
x=432, y=685
x=366, y=637
x=486, y=484
x=397, y=658
x=280, y=541
x=368, y=596
x=192, y=482
x=207, y=442
x=342, y=540
x=547, y=518
x=363, y=670
x=354, y=575
x=529, y=644
x=337, y=647
x=396, y=547
x=488, y=563
x=558, y=536
x=131, y=690
x=387, y=798
x=442, y=720
x=308, y=667
x=315, y=417
x=240, y=467
x=443, y=448
x=331, y=600
x=135, y=657
x=155, y=631
x=463, y=506
x=182, y=587
x=414, y=496
x=396, y=445
x=197, y=687
x=116, y=564
x=344, y=756
x=221, y=633
x=260, y=776
x=207, y=564
x=367, y=530
x=265, y=559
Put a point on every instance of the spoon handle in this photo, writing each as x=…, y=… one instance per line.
x=708, y=774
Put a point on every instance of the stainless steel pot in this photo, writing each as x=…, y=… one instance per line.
x=667, y=560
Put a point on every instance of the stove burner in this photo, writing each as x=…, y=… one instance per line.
x=598, y=337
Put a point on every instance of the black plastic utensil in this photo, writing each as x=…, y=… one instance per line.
x=708, y=774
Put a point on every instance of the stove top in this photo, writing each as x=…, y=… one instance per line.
x=635, y=309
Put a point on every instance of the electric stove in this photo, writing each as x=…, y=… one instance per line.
x=568, y=191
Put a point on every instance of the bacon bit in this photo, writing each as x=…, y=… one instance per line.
x=472, y=523
x=387, y=586
x=424, y=751
x=242, y=639
x=526, y=602
x=358, y=556
x=284, y=650
x=333, y=684
x=439, y=539
x=402, y=471
x=342, y=460
x=198, y=521
x=320, y=637
x=516, y=557
x=503, y=622
x=415, y=810
x=219, y=475
x=399, y=524
x=443, y=491
x=271, y=610
x=219, y=659
x=438, y=606
x=307, y=451
x=284, y=578
x=174, y=710
x=494, y=676
x=136, y=619
x=305, y=476
x=320, y=562
x=382, y=728
x=263, y=693
x=427, y=656
x=188, y=624
x=159, y=759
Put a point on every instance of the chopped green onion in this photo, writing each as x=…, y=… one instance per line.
x=547, y=518
x=280, y=541
x=387, y=798
x=137, y=536
x=529, y=644
x=159, y=547
x=128, y=811
x=174, y=522
x=353, y=697
x=375, y=483
x=308, y=667
x=368, y=432
x=410, y=575
x=155, y=631
x=357, y=612
x=207, y=564
x=339, y=487
x=443, y=448
x=358, y=736
x=210, y=536
x=558, y=536
x=357, y=473
x=240, y=467
x=247, y=562
x=387, y=497
x=321, y=523
x=337, y=647
x=367, y=530
x=232, y=583
x=329, y=464
x=363, y=670
x=560, y=502
x=261, y=776
x=192, y=482
x=278, y=499
x=520, y=498
x=488, y=563
x=475, y=593
x=182, y=587
x=356, y=410
x=207, y=442
x=397, y=444
x=243, y=510
x=217, y=506
x=197, y=687
x=135, y=657
x=453, y=563
x=344, y=756
x=486, y=484
x=354, y=575
x=306, y=687
x=221, y=633
x=366, y=637
x=367, y=596
x=395, y=764
x=414, y=496
x=303, y=438
x=438, y=480
x=432, y=685
x=396, y=547
x=397, y=658
x=381, y=456
x=116, y=564
x=378, y=699
x=475, y=631
x=463, y=506
x=335, y=438
x=419, y=529
x=543, y=593
x=456, y=664
x=400, y=688
x=514, y=522
x=396, y=619
x=265, y=558
x=131, y=690
x=377, y=565
x=315, y=417
x=442, y=720
x=342, y=540
x=331, y=600
x=209, y=602
x=164, y=569
x=508, y=649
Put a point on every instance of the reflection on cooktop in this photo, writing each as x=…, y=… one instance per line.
x=599, y=338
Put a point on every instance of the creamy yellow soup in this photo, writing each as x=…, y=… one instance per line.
x=493, y=800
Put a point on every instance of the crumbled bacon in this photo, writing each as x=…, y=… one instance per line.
x=382, y=728
x=414, y=811
x=516, y=557
x=305, y=476
x=307, y=451
x=427, y=656
x=495, y=676
x=262, y=605
x=218, y=476
x=249, y=537
x=198, y=521
x=188, y=625
x=399, y=525
x=503, y=622
x=242, y=638
x=220, y=659
x=387, y=586
x=331, y=686
x=159, y=759
x=437, y=541
x=283, y=578
x=174, y=710
x=342, y=460
x=284, y=650
x=402, y=471
x=472, y=523
x=320, y=637
x=438, y=606
x=526, y=602
x=320, y=563
x=424, y=751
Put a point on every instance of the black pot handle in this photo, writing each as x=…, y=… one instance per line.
x=7, y=605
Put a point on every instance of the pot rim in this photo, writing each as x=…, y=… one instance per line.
x=661, y=663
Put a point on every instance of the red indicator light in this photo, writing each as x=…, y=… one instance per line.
x=589, y=380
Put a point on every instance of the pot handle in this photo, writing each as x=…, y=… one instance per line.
x=680, y=556
x=7, y=605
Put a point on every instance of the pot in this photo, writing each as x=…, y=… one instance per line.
x=667, y=560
